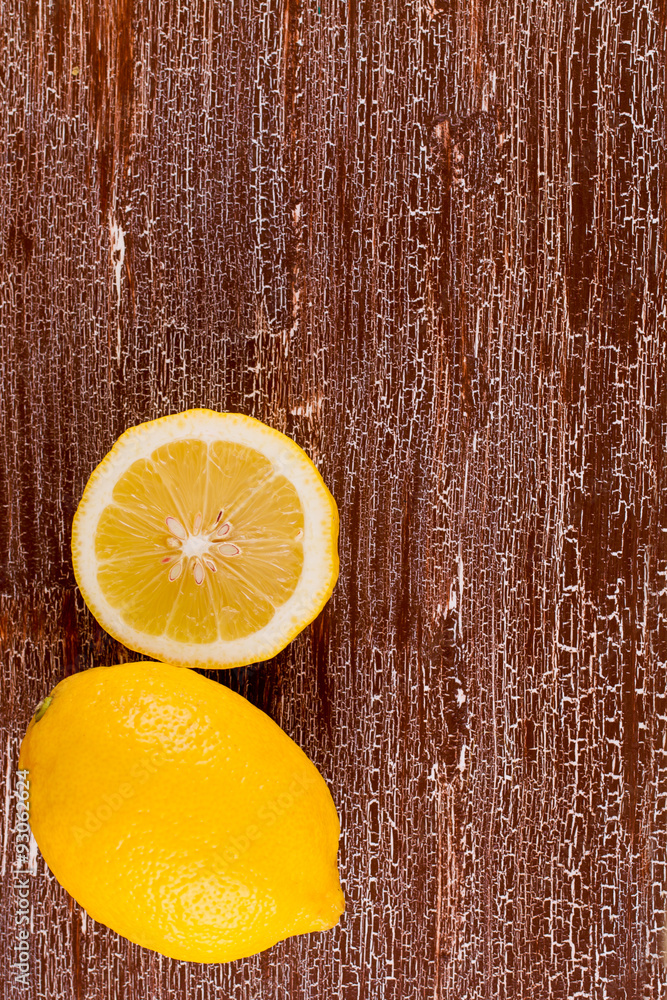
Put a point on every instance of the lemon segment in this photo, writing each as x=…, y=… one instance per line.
x=179, y=815
x=205, y=539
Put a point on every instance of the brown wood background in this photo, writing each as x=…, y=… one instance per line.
x=426, y=238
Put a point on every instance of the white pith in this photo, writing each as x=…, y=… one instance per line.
x=195, y=545
x=320, y=561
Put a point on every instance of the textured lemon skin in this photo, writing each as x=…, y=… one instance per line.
x=179, y=815
x=321, y=537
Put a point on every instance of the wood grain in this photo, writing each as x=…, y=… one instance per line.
x=427, y=240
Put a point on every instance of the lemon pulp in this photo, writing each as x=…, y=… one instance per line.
x=202, y=541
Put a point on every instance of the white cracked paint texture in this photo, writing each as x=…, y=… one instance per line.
x=427, y=240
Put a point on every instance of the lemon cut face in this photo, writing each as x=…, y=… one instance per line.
x=205, y=539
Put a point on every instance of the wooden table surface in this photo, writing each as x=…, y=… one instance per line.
x=426, y=239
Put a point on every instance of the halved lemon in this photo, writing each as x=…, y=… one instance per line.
x=206, y=540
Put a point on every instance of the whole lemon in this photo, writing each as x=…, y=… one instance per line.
x=180, y=815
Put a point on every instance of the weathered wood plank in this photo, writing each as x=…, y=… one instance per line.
x=427, y=239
